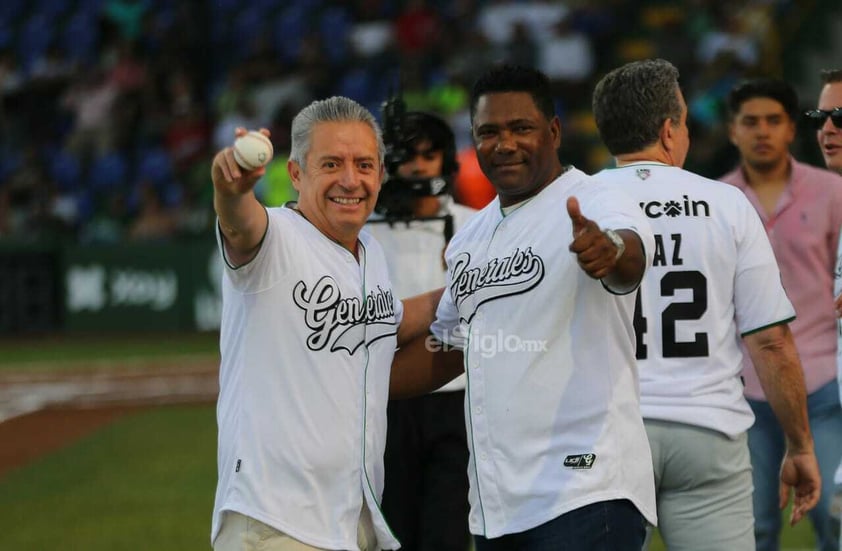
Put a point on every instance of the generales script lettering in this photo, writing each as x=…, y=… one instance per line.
x=363, y=321
x=499, y=277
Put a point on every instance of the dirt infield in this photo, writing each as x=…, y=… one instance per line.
x=43, y=411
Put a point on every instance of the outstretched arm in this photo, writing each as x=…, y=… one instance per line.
x=242, y=219
x=777, y=364
x=422, y=366
x=598, y=255
x=419, y=312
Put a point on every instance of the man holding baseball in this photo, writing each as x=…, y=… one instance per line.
x=309, y=328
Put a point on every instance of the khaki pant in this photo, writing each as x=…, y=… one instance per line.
x=242, y=533
x=703, y=486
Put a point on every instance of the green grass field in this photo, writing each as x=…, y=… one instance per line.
x=94, y=351
x=143, y=482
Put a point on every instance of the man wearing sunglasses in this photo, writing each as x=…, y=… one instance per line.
x=829, y=134
x=827, y=120
x=801, y=209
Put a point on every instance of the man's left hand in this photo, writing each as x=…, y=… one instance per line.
x=596, y=254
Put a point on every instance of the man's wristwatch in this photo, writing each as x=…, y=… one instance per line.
x=615, y=238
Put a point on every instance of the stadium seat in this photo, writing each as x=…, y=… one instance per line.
x=65, y=170
x=154, y=165
x=10, y=161
x=172, y=195
x=164, y=16
x=10, y=10
x=291, y=26
x=7, y=35
x=335, y=26
x=266, y=7
x=108, y=172
x=91, y=8
x=356, y=84
x=51, y=9
x=34, y=37
x=85, y=205
x=248, y=25
x=224, y=8
x=80, y=37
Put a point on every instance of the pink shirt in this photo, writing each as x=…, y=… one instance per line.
x=804, y=232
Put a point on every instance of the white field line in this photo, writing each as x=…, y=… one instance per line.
x=22, y=393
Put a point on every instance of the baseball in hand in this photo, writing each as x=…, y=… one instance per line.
x=252, y=150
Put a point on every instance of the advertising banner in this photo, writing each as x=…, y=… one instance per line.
x=142, y=287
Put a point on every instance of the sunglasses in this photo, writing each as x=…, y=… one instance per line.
x=817, y=117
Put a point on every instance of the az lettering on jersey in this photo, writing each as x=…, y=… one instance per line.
x=686, y=284
x=660, y=257
x=673, y=208
x=500, y=277
x=325, y=311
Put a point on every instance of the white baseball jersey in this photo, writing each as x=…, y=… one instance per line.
x=414, y=255
x=552, y=404
x=713, y=279
x=307, y=339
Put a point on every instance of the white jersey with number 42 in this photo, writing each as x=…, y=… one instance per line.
x=714, y=279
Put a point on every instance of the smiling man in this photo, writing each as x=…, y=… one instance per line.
x=801, y=209
x=540, y=298
x=309, y=328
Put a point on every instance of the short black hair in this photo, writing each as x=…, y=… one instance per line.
x=771, y=88
x=515, y=78
x=420, y=126
x=830, y=76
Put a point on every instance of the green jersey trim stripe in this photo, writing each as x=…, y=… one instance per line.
x=753, y=331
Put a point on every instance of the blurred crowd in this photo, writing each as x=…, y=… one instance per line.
x=112, y=109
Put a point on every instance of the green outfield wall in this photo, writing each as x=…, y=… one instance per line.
x=125, y=287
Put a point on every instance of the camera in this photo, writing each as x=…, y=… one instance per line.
x=400, y=134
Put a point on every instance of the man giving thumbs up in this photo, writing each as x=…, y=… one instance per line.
x=540, y=305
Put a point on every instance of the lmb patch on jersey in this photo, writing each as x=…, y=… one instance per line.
x=580, y=461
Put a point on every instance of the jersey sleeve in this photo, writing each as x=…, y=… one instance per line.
x=759, y=296
x=268, y=265
x=398, y=312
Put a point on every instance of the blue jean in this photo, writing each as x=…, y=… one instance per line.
x=604, y=526
x=766, y=444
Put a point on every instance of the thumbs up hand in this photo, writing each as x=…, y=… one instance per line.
x=596, y=253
